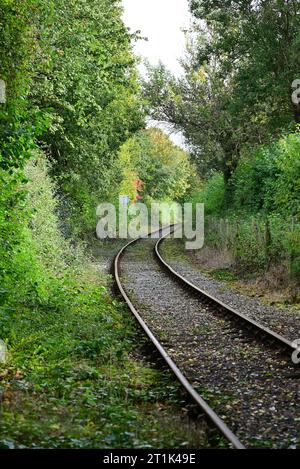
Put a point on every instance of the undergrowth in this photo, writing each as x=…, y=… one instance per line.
x=73, y=378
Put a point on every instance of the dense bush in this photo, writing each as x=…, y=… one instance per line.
x=287, y=184
x=252, y=184
x=257, y=216
x=69, y=381
x=211, y=194
x=164, y=169
x=71, y=89
x=267, y=178
x=85, y=85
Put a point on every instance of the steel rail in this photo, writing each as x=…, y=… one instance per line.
x=250, y=323
x=210, y=413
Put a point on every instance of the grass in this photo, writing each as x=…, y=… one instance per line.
x=224, y=275
x=76, y=374
x=271, y=287
x=71, y=380
x=174, y=250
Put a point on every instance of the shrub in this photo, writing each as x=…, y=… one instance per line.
x=211, y=194
x=287, y=184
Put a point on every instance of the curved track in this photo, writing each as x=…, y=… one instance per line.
x=250, y=326
x=255, y=327
x=215, y=419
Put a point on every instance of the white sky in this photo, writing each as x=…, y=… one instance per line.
x=161, y=22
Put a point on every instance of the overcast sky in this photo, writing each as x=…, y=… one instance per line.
x=161, y=22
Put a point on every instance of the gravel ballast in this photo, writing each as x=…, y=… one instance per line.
x=251, y=385
x=284, y=321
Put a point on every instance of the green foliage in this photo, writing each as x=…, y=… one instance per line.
x=260, y=40
x=253, y=181
x=211, y=194
x=267, y=178
x=11, y=219
x=72, y=101
x=233, y=105
x=18, y=124
x=266, y=181
x=241, y=60
x=85, y=83
x=39, y=256
x=59, y=390
x=72, y=87
x=256, y=243
x=191, y=105
x=287, y=185
x=18, y=128
x=163, y=168
x=262, y=208
x=69, y=381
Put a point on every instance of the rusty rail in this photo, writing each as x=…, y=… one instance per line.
x=249, y=323
x=210, y=413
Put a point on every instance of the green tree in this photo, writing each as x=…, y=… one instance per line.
x=85, y=83
x=18, y=126
x=257, y=45
x=163, y=168
x=241, y=60
x=197, y=105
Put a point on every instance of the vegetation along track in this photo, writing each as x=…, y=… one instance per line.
x=246, y=378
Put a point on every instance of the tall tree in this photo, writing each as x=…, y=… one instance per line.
x=85, y=83
x=241, y=61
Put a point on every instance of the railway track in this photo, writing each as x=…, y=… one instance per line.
x=255, y=327
x=250, y=327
